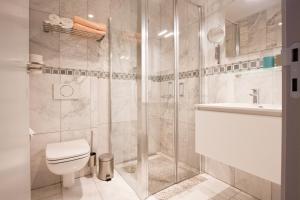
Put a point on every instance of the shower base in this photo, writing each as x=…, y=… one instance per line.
x=161, y=172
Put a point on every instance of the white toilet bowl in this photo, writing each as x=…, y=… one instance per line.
x=66, y=158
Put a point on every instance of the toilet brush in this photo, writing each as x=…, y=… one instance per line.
x=92, y=161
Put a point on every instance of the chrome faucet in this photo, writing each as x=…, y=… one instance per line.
x=255, y=95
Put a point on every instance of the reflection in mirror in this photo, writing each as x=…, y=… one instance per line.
x=216, y=36
x=232, y=39
x=252, y=26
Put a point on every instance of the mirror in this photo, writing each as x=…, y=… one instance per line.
x=252, y=26
x=216, y=36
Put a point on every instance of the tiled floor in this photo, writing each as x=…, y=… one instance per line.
x=201, y=187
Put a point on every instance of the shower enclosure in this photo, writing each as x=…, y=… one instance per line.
x=155, y=61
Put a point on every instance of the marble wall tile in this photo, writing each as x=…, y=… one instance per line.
x=220, y=170
x=40, y=175
x=186, y=145
x=125, y=51
x=253, y=33
x=100, y=9
x=189, y=47
x=154, y=93
x=124, y=15
x=124, y=101
x=167, y=137
x=167, y=54
x=154, y=56
x=76, y=135
x=43, y=109
x=101, y=139
x=255, y=186
x=45, y=6
x=124, y=137
x=189, y=13
x=166, y=17
x=98, y=55
x=261, y=80
x=220, y=88
x=100, y=106
x=188, y=97
x=239, y=85
x=257, y=32
x=277, y=87
x=70, y=8
x=154, y=18
x=73, y=51
x=76, y=113
x=167, y=110
x=45, y=44
x=153, y=135
x=274, y=30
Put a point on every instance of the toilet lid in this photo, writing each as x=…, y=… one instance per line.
x=63, y=150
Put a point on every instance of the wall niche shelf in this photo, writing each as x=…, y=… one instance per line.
x=47, y=27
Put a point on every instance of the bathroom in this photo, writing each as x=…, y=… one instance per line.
x=149, y=99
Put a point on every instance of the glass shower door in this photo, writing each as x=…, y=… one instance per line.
x=190, y=24
x=161, y=101
x=125, y=63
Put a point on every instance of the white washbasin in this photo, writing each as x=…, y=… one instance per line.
x=242, y=108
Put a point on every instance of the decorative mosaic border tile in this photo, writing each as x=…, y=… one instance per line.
x=170, y=77
x=234, y=67
x=90, y=73
x=116, y=75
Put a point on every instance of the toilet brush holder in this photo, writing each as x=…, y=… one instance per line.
x=92, y=162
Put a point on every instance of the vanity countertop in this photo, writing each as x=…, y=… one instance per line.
x=251, y=109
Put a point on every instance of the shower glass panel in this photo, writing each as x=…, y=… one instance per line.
x=155, y=62
x=125, y=44
x=161, y=101
x=190, y=22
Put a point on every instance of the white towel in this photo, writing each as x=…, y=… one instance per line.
x=66, y=23
x=54, y=19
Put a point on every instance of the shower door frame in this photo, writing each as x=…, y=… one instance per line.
x=143, y=99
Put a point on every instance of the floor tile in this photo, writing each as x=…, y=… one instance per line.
x=116, y=189
x=52, y=192
x=84, y=189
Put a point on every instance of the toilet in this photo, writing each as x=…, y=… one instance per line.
x=65, y=158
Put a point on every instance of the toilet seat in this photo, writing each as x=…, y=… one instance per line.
x=58, y=161
x=67, y=151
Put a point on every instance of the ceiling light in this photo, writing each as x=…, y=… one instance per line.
x=90, y=16
x=162, y=32
x=169, y=34
x=280, y=24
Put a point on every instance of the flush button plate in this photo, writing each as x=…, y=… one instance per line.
x=66, y=91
